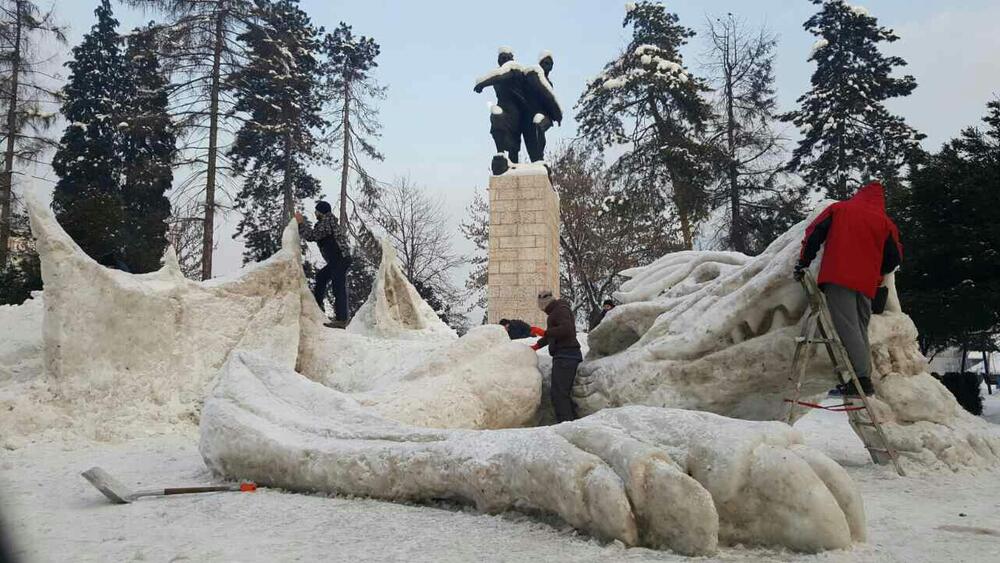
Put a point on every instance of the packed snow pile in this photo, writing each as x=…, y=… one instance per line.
x=714, y=331
x=645, y=476
x=20, y=332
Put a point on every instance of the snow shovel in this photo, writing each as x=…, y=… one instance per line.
x=120, y=494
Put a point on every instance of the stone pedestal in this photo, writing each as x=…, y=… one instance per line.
x=524, y=244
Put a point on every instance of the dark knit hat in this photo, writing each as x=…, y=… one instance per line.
x=323, y=207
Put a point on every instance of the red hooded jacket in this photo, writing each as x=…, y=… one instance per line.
x=862, y=243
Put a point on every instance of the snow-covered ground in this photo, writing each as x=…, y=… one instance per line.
x=52, y=514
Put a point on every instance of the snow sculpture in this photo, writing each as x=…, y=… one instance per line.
x=657, y=477
x=714, y=331
x=128, y=354
x=308, y=408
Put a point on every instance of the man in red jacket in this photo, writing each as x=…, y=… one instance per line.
x=861, y=246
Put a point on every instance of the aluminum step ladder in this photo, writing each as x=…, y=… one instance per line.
x=819, y=329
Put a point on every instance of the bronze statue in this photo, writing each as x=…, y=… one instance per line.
x=526, y=107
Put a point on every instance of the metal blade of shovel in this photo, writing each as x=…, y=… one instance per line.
x=120, y=494
x=108, y=485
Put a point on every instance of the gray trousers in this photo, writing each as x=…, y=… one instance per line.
x=851, y=311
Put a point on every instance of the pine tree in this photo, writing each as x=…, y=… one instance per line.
x=950, y=279
x=201, y=51
x=148, y=147
x=849, y=137
x=279, y=90
x=87, y=198
x=353, y=91
x=647, y=100
x=24, y=100
x=760, y=202
x=114, y=158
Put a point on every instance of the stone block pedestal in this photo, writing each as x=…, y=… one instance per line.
x=524, y=244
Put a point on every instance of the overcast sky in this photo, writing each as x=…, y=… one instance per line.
x=436, y=129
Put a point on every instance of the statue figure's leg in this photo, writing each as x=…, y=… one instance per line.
x=540, y=143
x=530, y=133
x=503, y=128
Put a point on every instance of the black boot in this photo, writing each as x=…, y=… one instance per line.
x=500, y=164
x=849, y=389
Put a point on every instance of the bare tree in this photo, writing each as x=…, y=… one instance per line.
x=184, y=233
x=741, y=60
x=601, y=232
x=414, y=223
x=26, y=98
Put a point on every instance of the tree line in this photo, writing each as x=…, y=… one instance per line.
x=218, y=104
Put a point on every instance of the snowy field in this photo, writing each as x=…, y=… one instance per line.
x=54, y=515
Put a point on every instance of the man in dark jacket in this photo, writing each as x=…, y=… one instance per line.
x=560, y=337
x=861, y=246
x=516, y=328
x=331, y=238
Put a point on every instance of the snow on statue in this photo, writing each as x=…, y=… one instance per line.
x=397, y=407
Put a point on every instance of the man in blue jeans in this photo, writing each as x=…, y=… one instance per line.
x=331, y=238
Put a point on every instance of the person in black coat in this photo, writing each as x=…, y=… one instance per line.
x=516, y=328
x=560, y=337
x=331, y=238
x=599, y=316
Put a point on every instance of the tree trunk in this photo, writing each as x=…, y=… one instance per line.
x=346, y=162
x=7, y=182
x=965, y=353
x=737, y=239
x=841, y=157
x=986, y=372
x=208, y=233
x=686, y=229
x=288, y=207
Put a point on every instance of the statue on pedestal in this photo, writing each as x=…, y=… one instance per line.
x=526, y=107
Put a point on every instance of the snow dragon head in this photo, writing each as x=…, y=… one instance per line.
x=692, y=328
x=715, y=331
